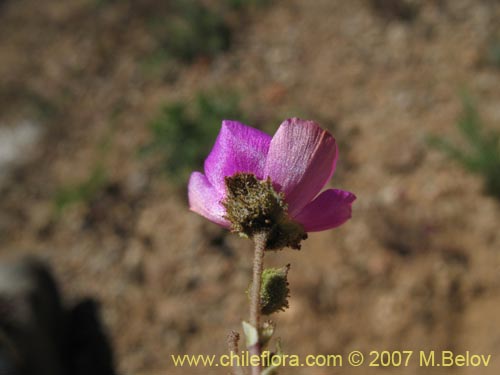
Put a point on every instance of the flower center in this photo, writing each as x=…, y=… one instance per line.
x=253, y=206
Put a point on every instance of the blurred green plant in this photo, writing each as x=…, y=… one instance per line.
x=87, y=189
x=191, y=30
x=81, y=192
x=27, y=103
x=402, y=10
x=242, y=4
x=482, y=152
x=100, y=3
x=183, y=132
x=494, y=52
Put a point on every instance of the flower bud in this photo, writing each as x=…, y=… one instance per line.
x=266, y=332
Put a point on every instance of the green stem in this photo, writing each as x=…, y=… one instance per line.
x=260, y=240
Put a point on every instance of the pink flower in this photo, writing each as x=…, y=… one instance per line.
x=299, y=160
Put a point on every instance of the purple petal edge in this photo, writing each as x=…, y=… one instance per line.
x=205, y=200
x=238, y=148
x=301, y=160
x=330, y=209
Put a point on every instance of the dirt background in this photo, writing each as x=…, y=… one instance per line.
x=416, y=268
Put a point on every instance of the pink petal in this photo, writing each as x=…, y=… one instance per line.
x=205, y=200
x=238, y=148
x=330, y=209
x=300, y=161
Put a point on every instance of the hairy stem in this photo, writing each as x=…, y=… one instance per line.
x=232, y=343
x=260, y=240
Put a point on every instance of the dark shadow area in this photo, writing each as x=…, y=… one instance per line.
x=39, y=335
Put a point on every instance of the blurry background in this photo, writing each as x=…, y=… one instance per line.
x=106, y=106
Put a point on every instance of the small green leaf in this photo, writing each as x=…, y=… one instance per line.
x=251, y=334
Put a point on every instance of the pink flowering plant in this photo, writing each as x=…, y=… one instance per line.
x=269, y=190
